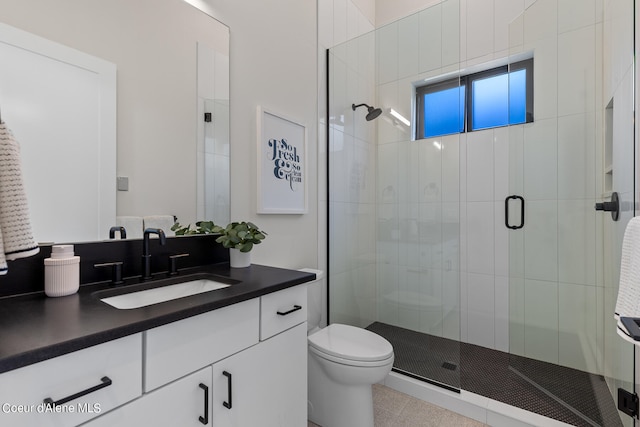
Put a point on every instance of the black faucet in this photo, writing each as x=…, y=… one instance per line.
x=112, y=232
x=146, y=254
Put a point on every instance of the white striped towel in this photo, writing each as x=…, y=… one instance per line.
x=628, y=302
x=16, y=238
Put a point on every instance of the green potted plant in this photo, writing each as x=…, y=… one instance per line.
x=240, y=237
x=202, y=227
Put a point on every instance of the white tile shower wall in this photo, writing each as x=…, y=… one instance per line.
x=480, y=167
x=540, y=166
x=430, y=39
x=545, y=77
x=408, y=33
x=541, y=320
x=576, y=324
x=576, y=152
x=574, y=14
x=562, y=139
x=451, y=34
x=576, y=71
x=481, y=309
x=480, y=236
x=480, y=16
x=505, y=12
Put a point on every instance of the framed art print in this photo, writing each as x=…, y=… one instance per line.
x=282, y=164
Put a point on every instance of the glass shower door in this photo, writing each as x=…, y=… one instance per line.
x=560, y=295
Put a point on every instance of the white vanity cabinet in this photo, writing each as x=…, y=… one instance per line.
x=179, y=348
x=265, y=385
x=84, y=384
x=249, y=378
x=182, y=403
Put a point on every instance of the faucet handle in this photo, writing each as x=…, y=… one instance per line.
x=120, y=229
x=173, y=263
x=116, y=271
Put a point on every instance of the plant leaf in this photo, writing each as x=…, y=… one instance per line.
x=246, y=247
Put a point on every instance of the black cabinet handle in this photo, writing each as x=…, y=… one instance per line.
x=295, y=308
x=227, y=404
x=205, y=420
x=506, y=212
x=105, y=382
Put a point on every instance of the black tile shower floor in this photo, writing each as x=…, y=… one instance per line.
x=568, y=395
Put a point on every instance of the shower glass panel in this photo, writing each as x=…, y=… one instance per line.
x=394, y=202
x=425, y=244
x=562, y=336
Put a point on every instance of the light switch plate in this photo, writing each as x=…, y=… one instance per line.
x=123, y=183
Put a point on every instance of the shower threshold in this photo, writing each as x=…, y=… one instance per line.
x=564, y=394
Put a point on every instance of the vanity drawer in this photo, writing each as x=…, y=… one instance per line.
x=113, y=371
x=177, y=349
x=282, y=310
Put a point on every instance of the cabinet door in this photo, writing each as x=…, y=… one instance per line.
x=83, y=384
x=176, y=349
x=184, y=403
x=265, y=384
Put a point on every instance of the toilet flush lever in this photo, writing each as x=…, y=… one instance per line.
x=295, y=308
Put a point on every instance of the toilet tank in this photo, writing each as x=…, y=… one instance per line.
x=314, y=299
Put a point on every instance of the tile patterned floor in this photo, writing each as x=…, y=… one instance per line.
x=395, y=409
x=574, y=397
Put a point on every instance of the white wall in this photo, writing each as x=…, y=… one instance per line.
x=273, y=62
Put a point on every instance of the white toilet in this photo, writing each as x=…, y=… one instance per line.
x=344, y=361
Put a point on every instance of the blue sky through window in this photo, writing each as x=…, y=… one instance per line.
x=444, y=112
x=518, y=97
x=490, y=102
x=499, y=100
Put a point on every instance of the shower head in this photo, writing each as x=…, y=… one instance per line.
x=373, y=113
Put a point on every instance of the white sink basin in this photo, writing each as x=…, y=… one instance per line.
x=163, y=293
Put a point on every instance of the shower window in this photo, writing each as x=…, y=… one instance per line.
x=443, y=106
x=492, y=98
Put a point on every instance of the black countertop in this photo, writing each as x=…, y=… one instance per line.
x=35, y=327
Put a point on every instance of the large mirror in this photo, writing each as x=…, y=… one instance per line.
x=167, y=123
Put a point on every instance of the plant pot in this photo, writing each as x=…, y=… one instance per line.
x=239, y=259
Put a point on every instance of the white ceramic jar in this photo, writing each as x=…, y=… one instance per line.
x=61, y=272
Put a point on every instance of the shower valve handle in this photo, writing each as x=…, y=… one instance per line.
x=613, y=206
x=606, y=206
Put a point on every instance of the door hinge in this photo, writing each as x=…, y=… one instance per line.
x=628, y=402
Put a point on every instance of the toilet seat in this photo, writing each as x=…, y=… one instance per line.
x=350, y=345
